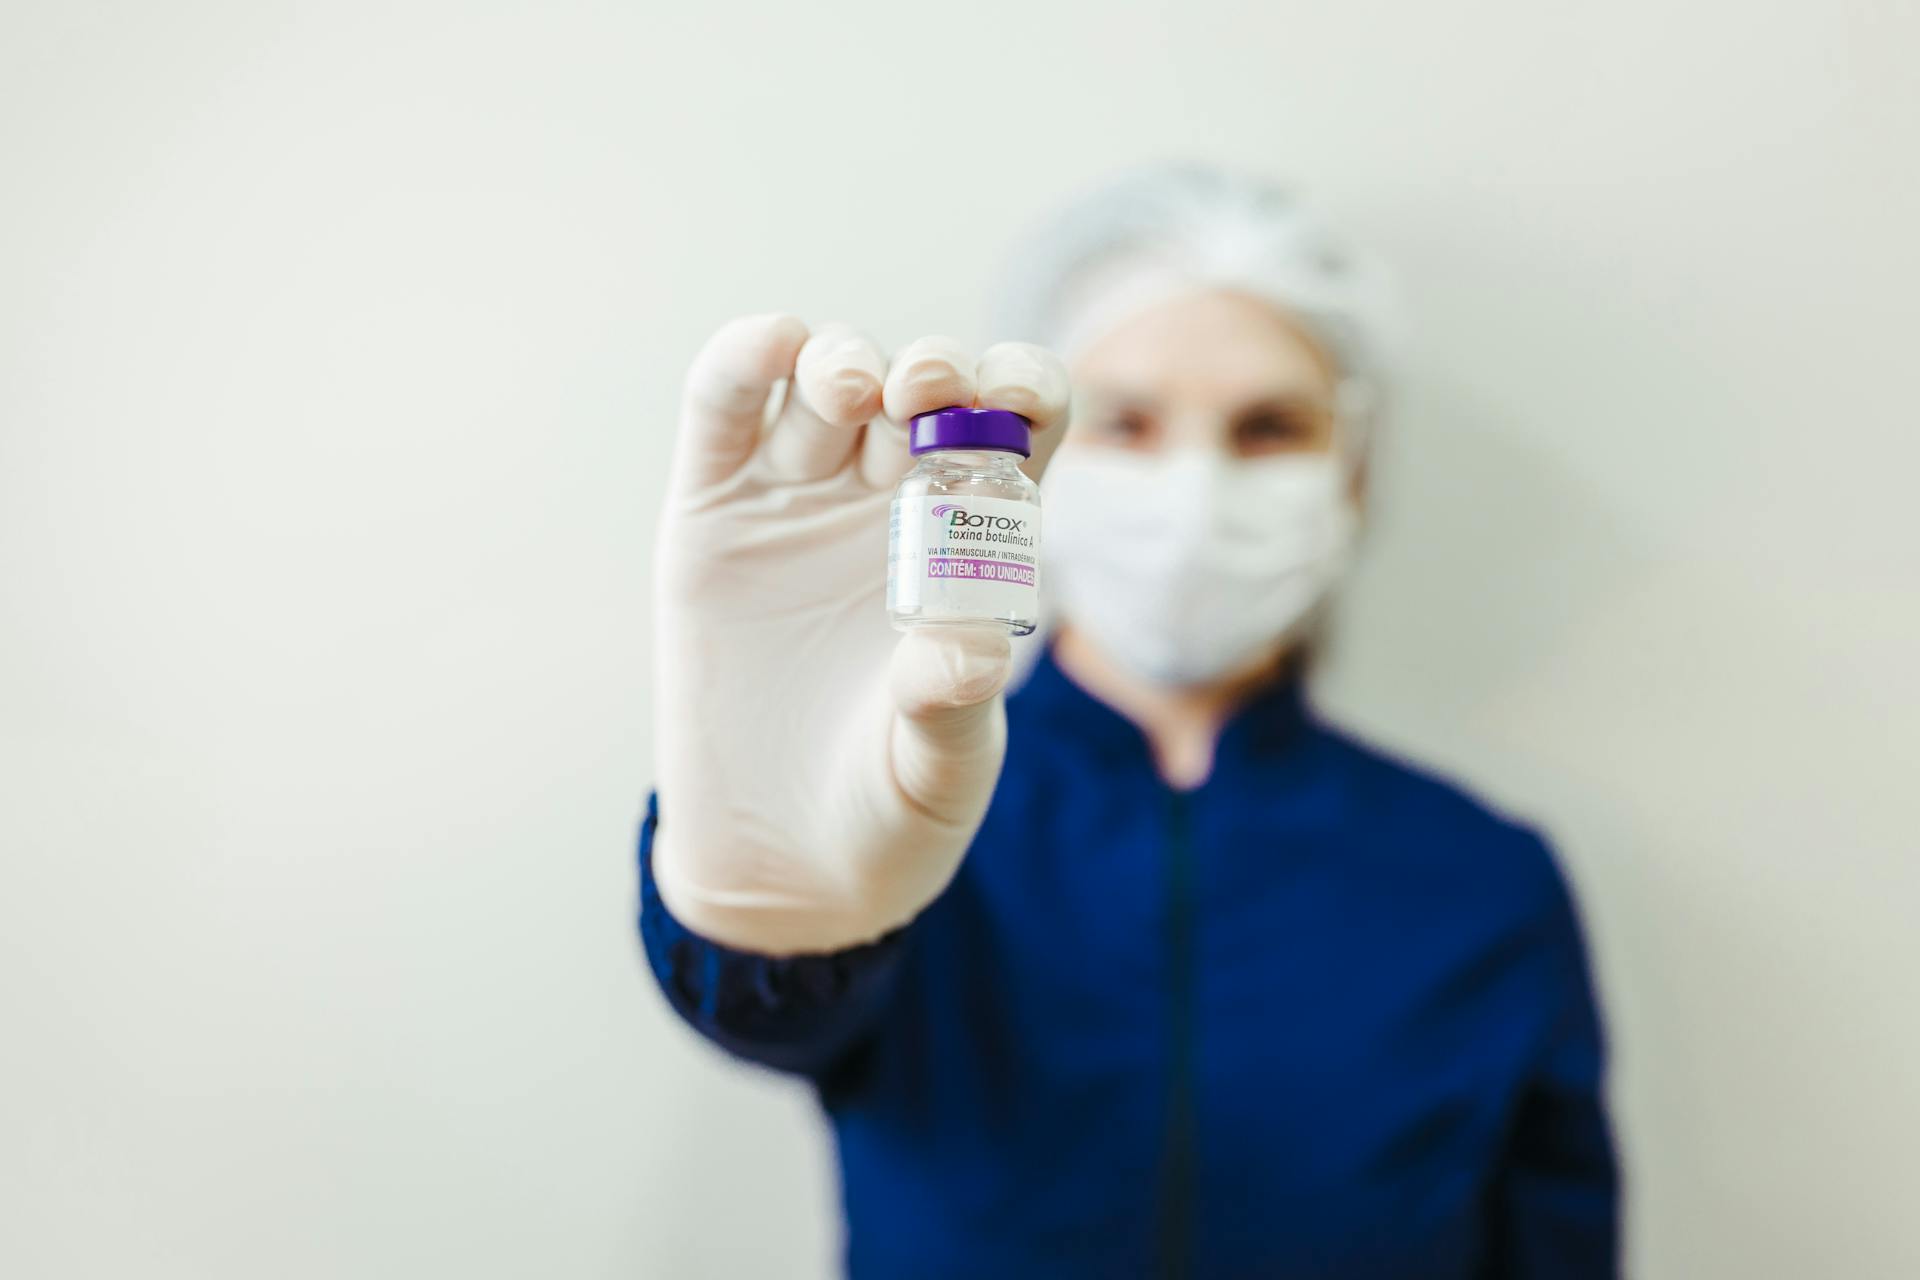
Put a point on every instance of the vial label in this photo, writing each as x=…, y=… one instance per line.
x=964, y=558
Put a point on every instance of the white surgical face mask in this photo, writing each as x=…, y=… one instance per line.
x=1188, y=566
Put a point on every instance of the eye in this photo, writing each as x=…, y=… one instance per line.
x=1274, y=429
x=1122, y=426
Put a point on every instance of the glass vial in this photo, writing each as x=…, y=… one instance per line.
x=964, y=542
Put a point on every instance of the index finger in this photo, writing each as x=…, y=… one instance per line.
x=725, y=400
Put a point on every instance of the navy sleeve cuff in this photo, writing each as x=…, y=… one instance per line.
x=793, y=1013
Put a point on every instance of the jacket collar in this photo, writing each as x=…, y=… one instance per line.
x=1271, y=720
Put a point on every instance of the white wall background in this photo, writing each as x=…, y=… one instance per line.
x=338, y=350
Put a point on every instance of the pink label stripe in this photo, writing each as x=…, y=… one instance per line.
x=983, y=570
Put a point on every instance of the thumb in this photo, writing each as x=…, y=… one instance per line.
x=951, y=731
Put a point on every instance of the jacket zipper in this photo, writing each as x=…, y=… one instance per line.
x=1176, y=1207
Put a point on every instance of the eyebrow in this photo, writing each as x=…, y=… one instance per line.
x=1122, y=397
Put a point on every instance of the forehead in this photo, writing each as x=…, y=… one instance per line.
x=1208, y=346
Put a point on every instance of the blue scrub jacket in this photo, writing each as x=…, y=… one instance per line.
x=1324, y=1016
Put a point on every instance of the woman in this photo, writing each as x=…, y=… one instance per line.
x=1141, y=969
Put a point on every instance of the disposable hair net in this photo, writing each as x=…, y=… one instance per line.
x=1159, y=232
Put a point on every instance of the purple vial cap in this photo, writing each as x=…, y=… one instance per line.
x=971, y=429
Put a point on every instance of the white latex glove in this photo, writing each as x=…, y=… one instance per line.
x=820, y=775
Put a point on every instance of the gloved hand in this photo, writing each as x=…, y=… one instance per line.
x=819, y=774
